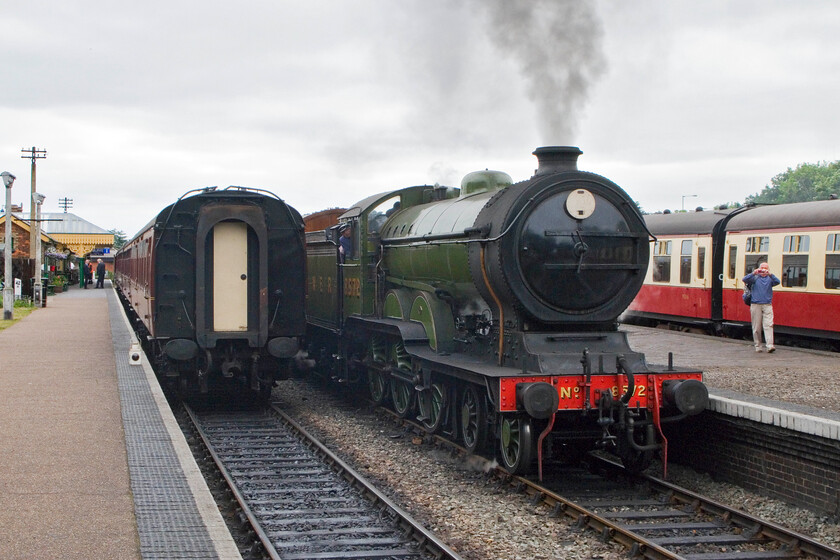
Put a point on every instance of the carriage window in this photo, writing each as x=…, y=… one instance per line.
x=755, y=253
x=733, y=255
x=662, y=261
x=758, y=244
x=751, y=262
x=832, y=262
x=685, y=262
x=796, y=243
x=833, y=242
x=794, y=270
x=832, y=272
x=701, y=262
x=795, y=263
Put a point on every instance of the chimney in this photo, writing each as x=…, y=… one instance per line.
x=553, y=159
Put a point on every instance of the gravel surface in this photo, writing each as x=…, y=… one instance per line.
x=477, y=517
x=821, y=528
x=794, y=375
x=785, y=383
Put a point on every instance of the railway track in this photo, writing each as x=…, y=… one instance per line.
x=653, y=518
x=656, y=519
x=302, y=501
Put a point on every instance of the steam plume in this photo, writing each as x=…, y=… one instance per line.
x=557, y=44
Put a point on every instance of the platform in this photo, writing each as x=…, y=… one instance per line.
x=778, y=371
x=92, y=463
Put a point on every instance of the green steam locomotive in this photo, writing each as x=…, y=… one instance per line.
x=489, y=313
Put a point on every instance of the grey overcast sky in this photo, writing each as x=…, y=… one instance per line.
x=325, y=102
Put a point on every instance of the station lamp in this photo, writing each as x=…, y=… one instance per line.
x=38, y=297
x=8, y=290
x=687, y=196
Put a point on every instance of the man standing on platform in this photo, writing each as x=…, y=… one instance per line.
x=100, y=274
x=761, y=284
x=86, y=273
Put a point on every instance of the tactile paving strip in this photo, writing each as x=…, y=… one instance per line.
x=168, y=519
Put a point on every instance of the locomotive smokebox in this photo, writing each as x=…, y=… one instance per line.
x=553, y=159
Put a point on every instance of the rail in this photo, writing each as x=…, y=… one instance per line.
x=302, y=500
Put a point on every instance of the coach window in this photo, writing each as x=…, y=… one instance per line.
x=795, y=260
x=756, y=253
x=832, y=262
x=662, y=261
x=685, y=261
x=733, y=256
x=701, y=262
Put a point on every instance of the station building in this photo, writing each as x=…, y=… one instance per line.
x=65, y=239
x=82, y=238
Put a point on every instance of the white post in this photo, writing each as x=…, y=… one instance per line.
x=8, y=289
x=37, y=199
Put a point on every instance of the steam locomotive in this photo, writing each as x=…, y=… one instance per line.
x=215, y=285
x=488, y=312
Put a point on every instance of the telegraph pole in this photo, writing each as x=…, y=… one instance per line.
x=33, y=154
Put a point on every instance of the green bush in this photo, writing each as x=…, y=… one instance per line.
x=22, y=303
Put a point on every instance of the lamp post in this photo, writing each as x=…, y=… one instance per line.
x=687, y=196
x=37, y=200
x=8, y=290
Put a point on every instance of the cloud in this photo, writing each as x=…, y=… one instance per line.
x=326, y=102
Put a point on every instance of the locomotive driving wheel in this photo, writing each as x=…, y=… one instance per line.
x=377, y=379
x=517, y=443
x=432, y=403
x=402, y=392
x=473, y=419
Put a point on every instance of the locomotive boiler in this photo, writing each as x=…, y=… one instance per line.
x=215, y=284
x=489, y=313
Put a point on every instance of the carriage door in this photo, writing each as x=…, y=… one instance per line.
x=230, y=276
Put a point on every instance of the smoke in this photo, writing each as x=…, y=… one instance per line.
x=557, y=44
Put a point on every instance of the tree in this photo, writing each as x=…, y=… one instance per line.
x=727, y=205
x=809, y=181
x=119, y=238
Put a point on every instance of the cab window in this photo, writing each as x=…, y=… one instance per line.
x=379, y=215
